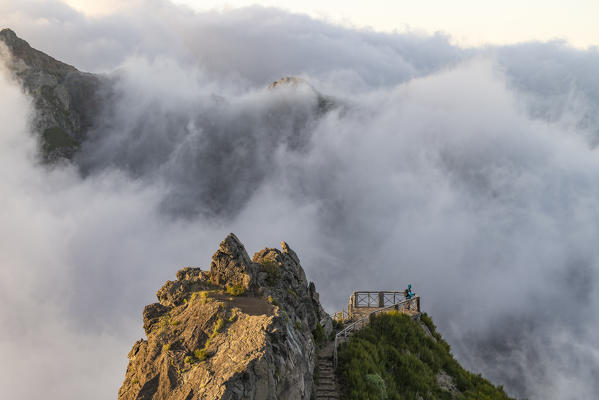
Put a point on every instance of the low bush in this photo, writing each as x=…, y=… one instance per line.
x=318, y=334
x=273, y=272
x=235, y=290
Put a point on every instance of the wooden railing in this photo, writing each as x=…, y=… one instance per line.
x=407, y=306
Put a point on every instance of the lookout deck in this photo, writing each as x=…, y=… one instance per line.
x=363, y=304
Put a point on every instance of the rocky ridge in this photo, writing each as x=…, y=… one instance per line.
x=69, y=103
x=66, y=100
x=245, y=329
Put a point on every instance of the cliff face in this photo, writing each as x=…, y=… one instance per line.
x=245, y=329
x=66, y=100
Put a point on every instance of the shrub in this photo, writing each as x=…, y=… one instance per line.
x=337, y=325
x=235, y=290
x=218, y=326
x=200, y=354
x=189, y=360
x=272, y=301
x=273, y=272
x=233, y=316
x=376, y=384
x=202, y=296
x=318, y=334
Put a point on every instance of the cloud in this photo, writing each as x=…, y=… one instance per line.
x=471, y=173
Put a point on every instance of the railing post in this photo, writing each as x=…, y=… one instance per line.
x=381, y=299
x=418, y=303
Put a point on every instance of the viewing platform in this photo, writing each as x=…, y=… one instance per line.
x=363, y=304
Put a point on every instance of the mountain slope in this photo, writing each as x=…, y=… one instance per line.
x=398, y=357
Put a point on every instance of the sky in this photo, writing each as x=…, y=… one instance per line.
x=470, y=172
x=468, y=22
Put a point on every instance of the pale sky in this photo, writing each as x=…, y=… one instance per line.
x=469, y=22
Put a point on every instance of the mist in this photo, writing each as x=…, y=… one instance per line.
x=471, y=173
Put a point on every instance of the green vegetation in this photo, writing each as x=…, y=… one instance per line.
x=272, y=270
x=200, y=354
x=190, y=360
x=272, y=301
x=337, y=325
x=394, y=358
x=218, y=327
x=235, y=290
x=57, y=140
x=233, y=316
x=318, y=334
x=201, y=295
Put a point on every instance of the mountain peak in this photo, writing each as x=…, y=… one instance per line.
x=8, y=33
x=292, y=81
x=65, y=99
x=245, y=329
x=32, y=58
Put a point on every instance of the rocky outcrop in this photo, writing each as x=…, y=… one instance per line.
x=325, y=103
x=66, y=100
x=245, y=329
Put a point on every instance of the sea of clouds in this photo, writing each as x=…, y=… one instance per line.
x=471, y=173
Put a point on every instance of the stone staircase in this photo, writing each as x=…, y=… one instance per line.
x=327, y=388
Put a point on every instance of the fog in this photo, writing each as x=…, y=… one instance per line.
x=470, y=173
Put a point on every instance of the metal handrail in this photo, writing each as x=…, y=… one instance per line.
x=363, y=321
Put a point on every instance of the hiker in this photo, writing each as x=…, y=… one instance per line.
x=408, y=292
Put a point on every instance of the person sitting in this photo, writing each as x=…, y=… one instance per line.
x=408, y=293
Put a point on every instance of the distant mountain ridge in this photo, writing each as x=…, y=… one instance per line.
x=66, y=100
x=70, y=103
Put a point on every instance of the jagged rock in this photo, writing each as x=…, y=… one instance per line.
x=152, y=314
x=66, y=100
x=446, y=383
x=232, y=266
x=203, y=343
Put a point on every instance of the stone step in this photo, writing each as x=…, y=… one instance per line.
x=327, y=381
